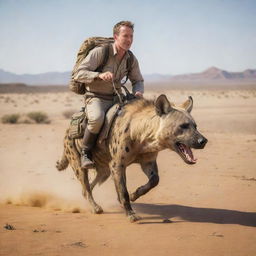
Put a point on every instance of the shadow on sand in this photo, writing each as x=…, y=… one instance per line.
x=193, y=214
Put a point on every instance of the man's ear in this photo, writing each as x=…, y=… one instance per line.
x=188, y=104
x=162, y=105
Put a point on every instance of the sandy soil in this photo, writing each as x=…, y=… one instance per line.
x=204, y=209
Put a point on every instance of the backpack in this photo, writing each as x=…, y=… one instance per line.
x=86, y=47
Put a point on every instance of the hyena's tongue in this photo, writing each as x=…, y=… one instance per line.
x=187, y=153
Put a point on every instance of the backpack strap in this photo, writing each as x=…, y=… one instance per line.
x=106, y=50
x=130, y=61
x=129, y=65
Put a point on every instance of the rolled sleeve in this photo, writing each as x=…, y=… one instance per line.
x=136, y=78
x=138, y=87
x=86, y=70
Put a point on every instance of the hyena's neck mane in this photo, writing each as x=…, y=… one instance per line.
x=144, y=123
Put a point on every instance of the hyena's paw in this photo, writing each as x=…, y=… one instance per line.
x=133, y=217
x=97, y=209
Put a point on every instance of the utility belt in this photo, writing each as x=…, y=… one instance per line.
x=103, y=96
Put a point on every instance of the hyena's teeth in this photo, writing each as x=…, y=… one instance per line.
x=187, y=153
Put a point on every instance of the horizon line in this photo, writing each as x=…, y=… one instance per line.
x=146, y=74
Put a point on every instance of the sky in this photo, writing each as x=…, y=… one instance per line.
x=170, y=37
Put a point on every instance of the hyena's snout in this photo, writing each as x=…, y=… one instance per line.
x=200, y=142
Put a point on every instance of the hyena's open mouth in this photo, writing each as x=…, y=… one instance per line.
x=186, y=153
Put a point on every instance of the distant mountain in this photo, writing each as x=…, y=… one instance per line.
x=23, y=88
x=49, y=78
x=212, y=75
x=216, y=74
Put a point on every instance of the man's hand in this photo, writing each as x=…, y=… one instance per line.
x=106, y=76
x=138, y=95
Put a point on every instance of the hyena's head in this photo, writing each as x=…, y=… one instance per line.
x=178, y=130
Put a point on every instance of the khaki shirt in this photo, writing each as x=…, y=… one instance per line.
x=86, y=72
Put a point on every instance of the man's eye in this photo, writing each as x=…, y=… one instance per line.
x=184, y=126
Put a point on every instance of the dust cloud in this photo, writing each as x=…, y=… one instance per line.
x=28, y=181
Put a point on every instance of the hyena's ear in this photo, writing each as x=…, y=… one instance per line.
x=188, y=104
x=162, y=105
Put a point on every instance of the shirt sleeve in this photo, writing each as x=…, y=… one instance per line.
x=86, y=70
x=136, y=78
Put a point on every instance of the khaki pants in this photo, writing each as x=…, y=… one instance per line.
x=96, y=109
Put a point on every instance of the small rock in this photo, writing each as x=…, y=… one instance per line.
x=216, y=234
x=76, y=210
x=80, y=244
x=9, y=227
x=167, y=221
x=36, y=230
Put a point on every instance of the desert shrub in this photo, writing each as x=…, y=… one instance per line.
x=68, y=113
x=10, y=119
x=39, y=117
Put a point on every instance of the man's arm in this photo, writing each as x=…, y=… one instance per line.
x=136, y=79
x=86, y=71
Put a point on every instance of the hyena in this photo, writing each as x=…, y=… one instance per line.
x=138, y=133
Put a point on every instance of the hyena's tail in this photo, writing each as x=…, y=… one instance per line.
x=62, y=164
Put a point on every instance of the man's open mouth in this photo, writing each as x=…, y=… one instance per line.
x=186, y=153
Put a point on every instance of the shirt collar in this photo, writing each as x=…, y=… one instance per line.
x=127, y=55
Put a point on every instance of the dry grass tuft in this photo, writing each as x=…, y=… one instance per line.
x=30, y=118
x=10, y=119
x=39, y=117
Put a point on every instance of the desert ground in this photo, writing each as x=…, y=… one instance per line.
x=204, y=209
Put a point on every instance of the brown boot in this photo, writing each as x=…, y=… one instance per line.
x=89, y=140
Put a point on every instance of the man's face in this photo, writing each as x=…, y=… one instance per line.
x=125, y=38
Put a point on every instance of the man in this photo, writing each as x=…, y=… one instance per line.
x=100, y=94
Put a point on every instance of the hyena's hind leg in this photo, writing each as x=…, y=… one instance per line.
x=82, y=175
x=71, y=156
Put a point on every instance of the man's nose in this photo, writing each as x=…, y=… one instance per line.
x=130, y=39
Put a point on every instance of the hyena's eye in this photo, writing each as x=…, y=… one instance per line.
x=184, y=126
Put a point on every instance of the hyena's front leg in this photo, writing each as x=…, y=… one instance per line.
x=118, y=173
x=151, y=170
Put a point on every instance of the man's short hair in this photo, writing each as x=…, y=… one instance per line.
x=117, y=27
